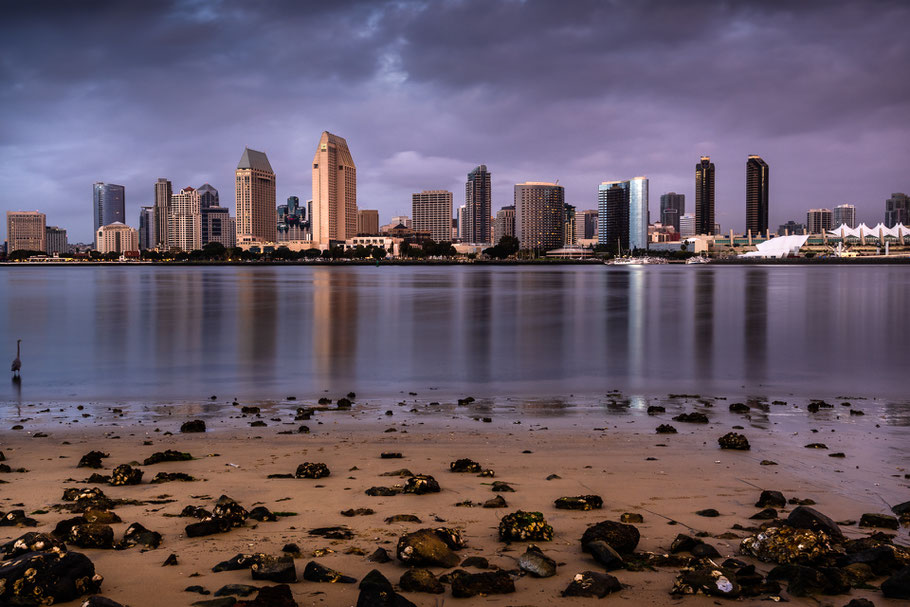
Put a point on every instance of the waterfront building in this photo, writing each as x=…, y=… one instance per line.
x=116, y=238
x=432, y=211
x=208, y=196
x=571, y=236
x=791, y=227
x=623, y=214
x=687, y=225
x=219, y=226
x=704, y=196
x=589, y=224
x=163, y=193
x=897, y=210
x=184, y=221
x=108, y=203
x=540, y=216
x=255, y=197
x=478, y=206
x=26, y=230
x=756, y=195
x=334, y=191
x=367, y=222
x=819, y=221
x=55, y=240
x=672, y=207
x=146, y=228
x=505, y=222
x=845, y=214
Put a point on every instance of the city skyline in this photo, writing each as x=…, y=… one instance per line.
x=833, y=132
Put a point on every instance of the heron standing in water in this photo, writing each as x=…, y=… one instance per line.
x=17, y=364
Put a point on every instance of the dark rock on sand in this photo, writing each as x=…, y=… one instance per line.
x=772, y=499
x=804, y=517
x=713, y=581
x=314, y=572
x=860, y=603
x=271, y=596
x=708, y=513
x=312, y=470
x=424, y=548
x=768, y=514
x=17, y=518
x=32, y=542
x=733, y=440
x=621, y=537
x=592, y=584
x=631, y=518
x=241, y=561
x=496, y=502
x=666, y=429
x=170, y=561
x=785, y=545
x=655, y=409
x=421, y=484
x=884, y=521
x=377, y=591
x=195, y=512
x=53, y=576
x=478, y=562
x=465, y=585
x=101, y=516
x=333, y=533
x=692, y=418
x=262, y=514
x=704, y=551
x=402, y=518
x=804, y=580
x=167, y=477
x=580, y=502
x=229, y=511
x=274, y=569
x=92, y=459
x=465, y=465
x=100, y=601
x=197, y=590
x=236, y=589
x=521, y=526
x=196, y=425
x=167, y=456
x=605, y=555
x=536, y=563
x=502, y=487
x=91, y=535
x=420, y=580
x=381, y=492
x=739, y=408
x=380, y=555
x=136, y=534
x=206, y=527
x=124, y=474
x=683, y=543
x=816, y=446
x=452, y=537
x=898, y=585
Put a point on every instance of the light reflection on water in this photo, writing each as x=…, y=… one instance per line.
x=165, y=333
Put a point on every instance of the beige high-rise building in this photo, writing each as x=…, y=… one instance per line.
x=334, y=191
x=163, y=194
x=184, y=224
x=367, y=222
x=25, y=230
x=432, y=212
x=117, y=238
x=540, y=215
x=257, y=216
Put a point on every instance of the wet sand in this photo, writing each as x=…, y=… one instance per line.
x=607, y=450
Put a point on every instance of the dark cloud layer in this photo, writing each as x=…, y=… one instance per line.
x=580, y=91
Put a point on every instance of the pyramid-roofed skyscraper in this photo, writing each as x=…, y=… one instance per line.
x=334, y=191
x=257, y=216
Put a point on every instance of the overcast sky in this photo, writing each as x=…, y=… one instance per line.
x=582, y=92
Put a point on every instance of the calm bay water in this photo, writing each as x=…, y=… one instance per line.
x=169, y=333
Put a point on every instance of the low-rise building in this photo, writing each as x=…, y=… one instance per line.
x=117, y=238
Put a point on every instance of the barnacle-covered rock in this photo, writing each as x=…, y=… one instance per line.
x=733, y=440
x=312, y=470
x=521, y=526
x=580, y=502
x=786, y=545
x=421, y=484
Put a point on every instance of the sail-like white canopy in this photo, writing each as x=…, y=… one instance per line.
x=781, y=246
x=880, y=231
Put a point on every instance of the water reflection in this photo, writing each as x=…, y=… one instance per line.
x=267, y=332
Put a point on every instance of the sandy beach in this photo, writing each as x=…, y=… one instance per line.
x=610, y=451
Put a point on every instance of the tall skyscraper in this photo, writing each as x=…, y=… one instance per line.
x=571, y=234
x=461, y=222
x=478, y=203
x=540, y=216
x=108, y=204
x=367, y=222
x=623, y=214
x=845, y=214
x=163, y=193
x=334, y=191
x=432, y=212
x=185, y=221
x=756, y=195
x=587, y=228
x=25, y=230
x=505, y=222
x=255, y=195
x=819, y=220
x=704, y=196
x=146, y=228
x=897, y=210
x=55, y=240
x=208, y=196
x=672, y=207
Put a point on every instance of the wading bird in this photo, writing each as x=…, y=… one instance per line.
x=17, y=364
